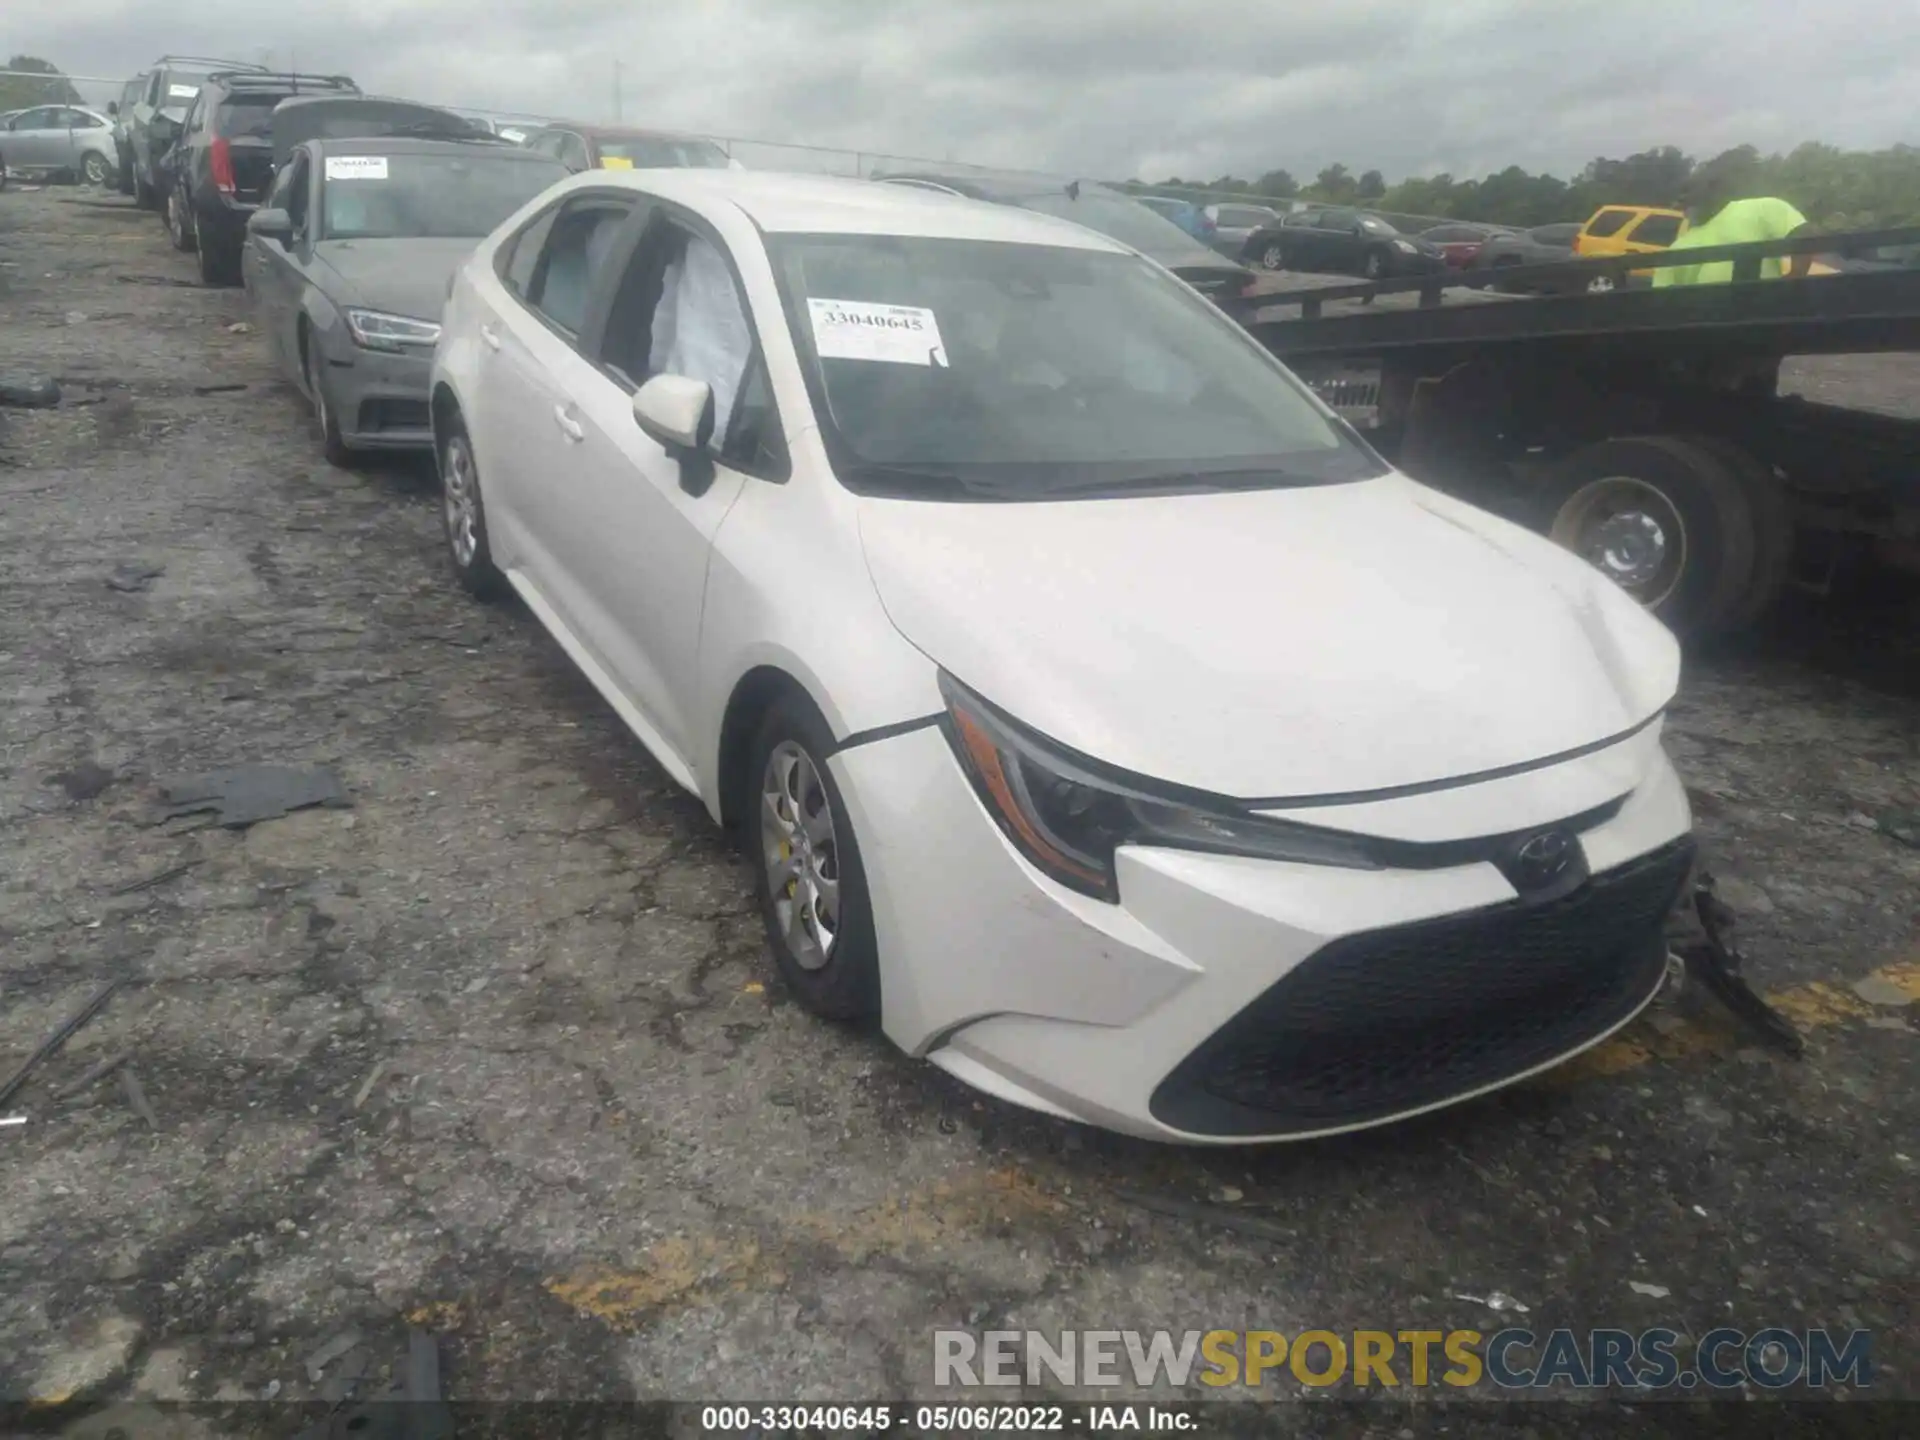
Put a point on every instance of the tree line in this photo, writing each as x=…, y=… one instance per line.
x=20, y=92
x=1834, y=188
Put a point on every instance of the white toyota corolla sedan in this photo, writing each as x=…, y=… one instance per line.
x=1105, y=719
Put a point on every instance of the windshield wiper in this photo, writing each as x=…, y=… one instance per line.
x=1252, y=477
x=882, y=472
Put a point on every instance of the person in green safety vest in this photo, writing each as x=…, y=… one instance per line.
x=1739, y=222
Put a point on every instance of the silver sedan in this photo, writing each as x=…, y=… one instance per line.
x=50, y=139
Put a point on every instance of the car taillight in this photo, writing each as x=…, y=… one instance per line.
x=220, y=161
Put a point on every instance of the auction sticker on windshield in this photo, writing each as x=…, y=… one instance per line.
x=356, y=167
x=182, y=92
x=615, y=162
x=862, y=330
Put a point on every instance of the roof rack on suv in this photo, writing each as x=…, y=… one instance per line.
x=293, y=79
x=166, y=60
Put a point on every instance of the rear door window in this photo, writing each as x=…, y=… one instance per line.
x=246, y=117
x=1657, y=230
x=1608, y=222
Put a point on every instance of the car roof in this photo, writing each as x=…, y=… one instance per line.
x=832, y=204
x=424, y=145
x=619, y=132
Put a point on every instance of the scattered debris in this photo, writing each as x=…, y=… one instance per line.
x=424, y=1417
x=1713, y=960
x=1885, y=1022
x=84, y=781
x=1878, y=990
x=93, y=1075
x=272, y=1389
x=10, y=1120
x=173, y=872
x=1230, y=1195
x=1902, y=825
x=366, y=1085
x=137, y=1097
x=157, y=280
x=1652, y=1292
x=247, y=794
x=132, y=575
x=75, y=317
x=240, y=327
x=60, y=1037
x=1226, y=1219
x=29, y=392
x=221, y=387
x=333, y=1350
x=1495, y=1300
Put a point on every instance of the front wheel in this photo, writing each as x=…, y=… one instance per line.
x=94, y=168
x=1273, y=258
x=333, y=444
x=808, y=877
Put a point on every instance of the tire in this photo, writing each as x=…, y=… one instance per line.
x=333, y=444
x=1696, y=502
x=469, y=551
x=144, y=195
x=95, y=168
x=124, y=180
x=1773, y=531
x=1273, y=258
x=219, y=259
x=1374, y=268
x=843, y=983
x=179, y=226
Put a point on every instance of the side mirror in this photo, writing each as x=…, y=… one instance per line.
x=677, y=414
x=271, y=225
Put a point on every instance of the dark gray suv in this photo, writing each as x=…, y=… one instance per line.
x=172, y=85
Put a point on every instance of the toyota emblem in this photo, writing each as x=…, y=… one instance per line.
x=1543, y=858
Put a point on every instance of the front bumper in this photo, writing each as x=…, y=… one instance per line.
x=381, y=397
x=1228, y=999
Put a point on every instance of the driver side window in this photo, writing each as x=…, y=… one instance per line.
x=290, y=192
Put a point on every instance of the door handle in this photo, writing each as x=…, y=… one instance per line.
x=491, y=336
x=569, y=427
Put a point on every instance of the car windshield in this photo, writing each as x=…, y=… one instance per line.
x=962, y=369
x=664, y=152
x=396, y=196
x=1126, y=220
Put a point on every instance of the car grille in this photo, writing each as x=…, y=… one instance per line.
x=1393, y=1020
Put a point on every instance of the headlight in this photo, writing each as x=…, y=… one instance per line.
x=376, y=330
x=1068, y=818
x=1406, y=247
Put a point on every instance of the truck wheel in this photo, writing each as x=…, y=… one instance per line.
x=1666, y=518
x=1773, y=531
x=179, y=223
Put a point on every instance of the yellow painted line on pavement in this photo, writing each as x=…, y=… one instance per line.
x=686, y=1270
x=1814, y=1006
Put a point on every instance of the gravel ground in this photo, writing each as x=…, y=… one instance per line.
x=498, y=1051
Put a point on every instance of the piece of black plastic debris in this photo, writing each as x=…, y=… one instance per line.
x=84, y=781
x=60, y=1037
x=172, y=872
x=137, y=1096
x=93, y=1075
x=1901, y=825
x=1714, y=962
x=1226, y=1217
x=331, y=1351
x=157, y=280
x=408, y=1409
x=220, y=388
x=247, y=794
x=29, y=392
x=132, y=575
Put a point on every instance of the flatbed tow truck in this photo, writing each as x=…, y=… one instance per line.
x=1642, y=427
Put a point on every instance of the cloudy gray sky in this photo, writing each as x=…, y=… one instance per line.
x=1114, y=88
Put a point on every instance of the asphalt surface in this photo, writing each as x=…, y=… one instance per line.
x=499, y=1052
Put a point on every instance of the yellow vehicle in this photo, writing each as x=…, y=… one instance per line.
x=1628, y=230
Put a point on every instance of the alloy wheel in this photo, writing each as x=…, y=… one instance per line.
x=1274, y=258
x=95, y=169
x=460, y=494
x=801, y=855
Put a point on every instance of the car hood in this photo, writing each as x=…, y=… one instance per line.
x=403, y=277
x=1281, y=643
